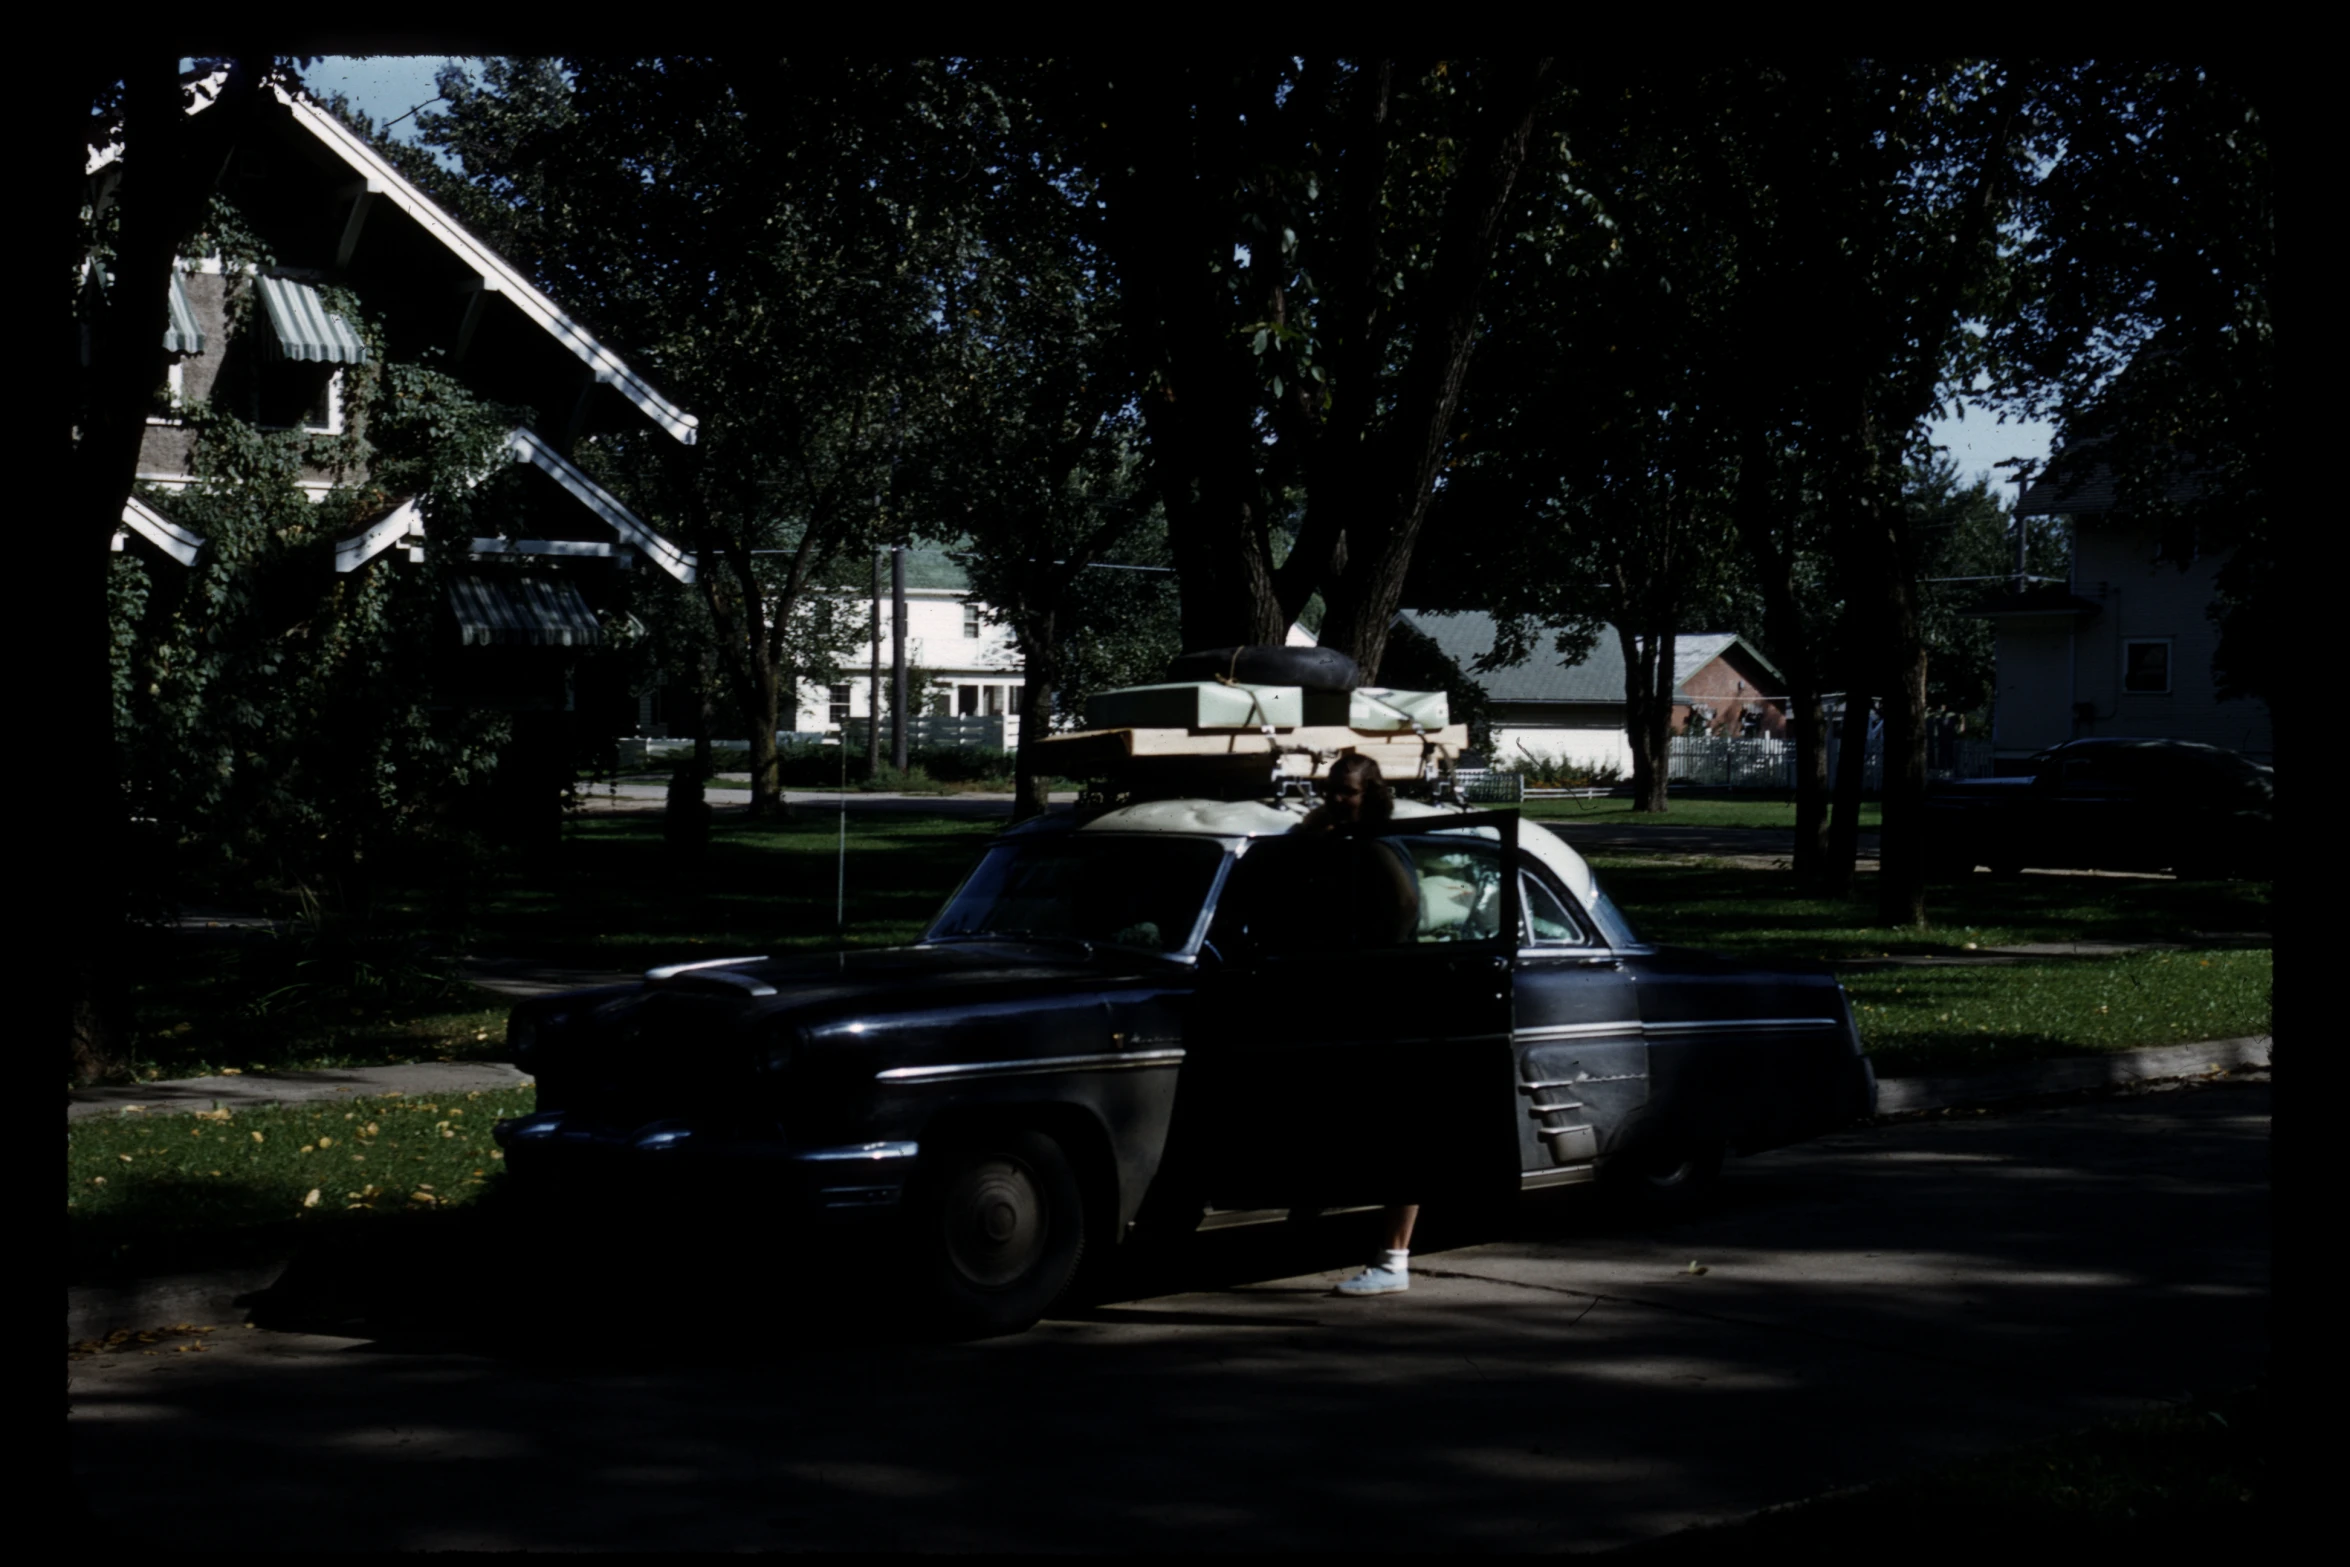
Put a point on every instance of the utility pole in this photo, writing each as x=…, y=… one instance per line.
x=897, y=657
x=873, y=682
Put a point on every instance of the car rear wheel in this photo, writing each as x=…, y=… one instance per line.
x=1676, y=1178
x=999, y=1232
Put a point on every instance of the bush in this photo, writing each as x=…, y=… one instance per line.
x=1558, y=772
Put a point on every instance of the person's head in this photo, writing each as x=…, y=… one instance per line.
x=1355, y=792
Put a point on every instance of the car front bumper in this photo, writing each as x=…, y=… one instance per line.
x=846, y=1182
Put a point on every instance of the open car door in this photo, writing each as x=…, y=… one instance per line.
x=1355, y=1038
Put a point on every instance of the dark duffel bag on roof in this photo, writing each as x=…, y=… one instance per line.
x=1314, y=668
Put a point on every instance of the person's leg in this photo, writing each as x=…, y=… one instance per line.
x=1391, y=1274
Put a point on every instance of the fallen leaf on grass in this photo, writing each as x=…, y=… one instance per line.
x=257, y=1137
x=1698, y=1267
x=310, y=1198
x=232, y=1071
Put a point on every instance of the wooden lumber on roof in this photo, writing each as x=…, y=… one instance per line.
x=1305, y=752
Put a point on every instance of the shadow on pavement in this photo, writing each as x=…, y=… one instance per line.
x=1873, y=1303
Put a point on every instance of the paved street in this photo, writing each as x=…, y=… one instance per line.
x=1881, y=1299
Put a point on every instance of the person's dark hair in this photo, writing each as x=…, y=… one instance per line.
x=1364, y=774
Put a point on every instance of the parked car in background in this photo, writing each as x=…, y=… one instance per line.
x=1186, y=1013
x=2109, y=803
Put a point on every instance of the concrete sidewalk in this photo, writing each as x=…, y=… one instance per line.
x=93, y=1311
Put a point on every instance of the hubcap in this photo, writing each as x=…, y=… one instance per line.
x=996, y=1225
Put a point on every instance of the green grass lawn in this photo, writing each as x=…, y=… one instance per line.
x=1710, y=811
x=147, y=1192
x=614, y=899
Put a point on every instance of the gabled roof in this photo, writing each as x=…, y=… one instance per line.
x=496, y=275
x=1467, y=635
x=377, y=179
x=405, y=524
x=166, y=535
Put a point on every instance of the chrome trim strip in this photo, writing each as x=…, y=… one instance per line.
x=1578, y=1082
x=1122, y=1061
x=1743, y=1025
x=1535, y=1180
x=1235, y=1218
x=741, y=982
x=859, y=1151
x=1557, y=1031
x=1543, y=1110
x=671, y=971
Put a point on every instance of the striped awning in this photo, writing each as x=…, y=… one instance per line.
x=301, y=327
x=182, y=336
x=520, y=611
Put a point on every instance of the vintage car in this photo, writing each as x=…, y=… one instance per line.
x=1186, y=1013
x=2112, y=803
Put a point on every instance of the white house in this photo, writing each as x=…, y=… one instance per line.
x=2122, y=647
x=966, y=664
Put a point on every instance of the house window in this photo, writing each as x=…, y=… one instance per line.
x=966, y=701
x=837, y=709
x=2146, y=666
x=995, y=701
x=170, y=392
x=296, y=395
x=970, y=619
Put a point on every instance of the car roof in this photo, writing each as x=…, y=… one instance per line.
x=1245, y=819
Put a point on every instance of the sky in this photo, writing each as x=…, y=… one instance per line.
x=386, y=87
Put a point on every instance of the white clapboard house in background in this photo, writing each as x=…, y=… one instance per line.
x=967, y=671
x=2122, y=646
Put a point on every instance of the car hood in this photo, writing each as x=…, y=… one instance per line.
x=896, y=979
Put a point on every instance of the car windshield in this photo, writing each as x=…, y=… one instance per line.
x=1144, y=893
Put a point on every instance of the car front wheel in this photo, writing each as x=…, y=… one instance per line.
x=999, y=1231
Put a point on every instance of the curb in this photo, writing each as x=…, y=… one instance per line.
x=224, y=1295
x=1897, y=1095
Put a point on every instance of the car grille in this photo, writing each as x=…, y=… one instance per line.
x=653, y=1056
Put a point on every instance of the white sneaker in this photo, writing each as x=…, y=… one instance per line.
x=1377, y=1279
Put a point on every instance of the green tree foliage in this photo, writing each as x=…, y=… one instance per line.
x=1035, y=457
x=1300, y=247
x=775, y=241
x=2151, y=234
x=275, y=719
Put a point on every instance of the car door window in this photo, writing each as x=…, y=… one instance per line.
x=1323, y=894
x=1549, y=923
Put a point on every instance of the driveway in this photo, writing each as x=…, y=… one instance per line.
x=1886, y=1298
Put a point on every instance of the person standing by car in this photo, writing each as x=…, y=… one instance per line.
x=1356, y=795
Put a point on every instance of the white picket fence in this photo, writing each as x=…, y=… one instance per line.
x=1729, y=762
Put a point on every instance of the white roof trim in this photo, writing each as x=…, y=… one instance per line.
x=528, y=447
x=402, y=522
x=496, y=275
x=160, y=531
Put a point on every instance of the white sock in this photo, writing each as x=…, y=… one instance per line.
x=1396, y=1261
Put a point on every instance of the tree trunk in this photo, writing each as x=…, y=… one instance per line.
x=1901, y=864
x=1648, y=714
x=1040, y=675
x=1852, y=750
x=1808, y=717
x=169, y=163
